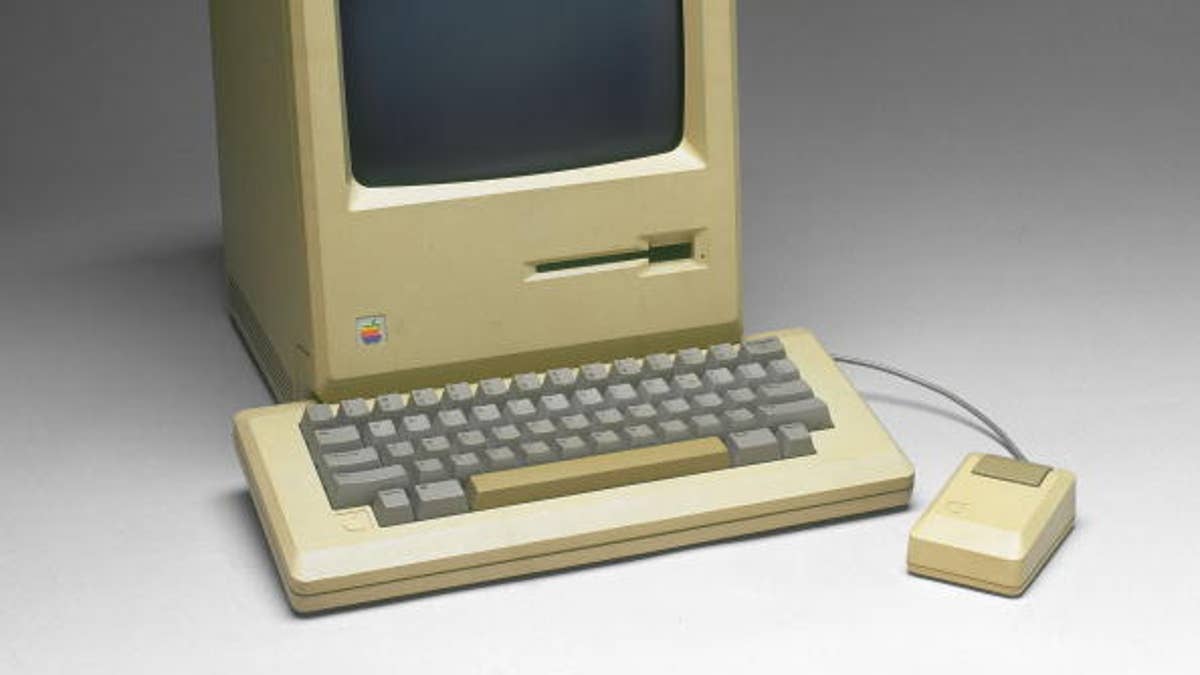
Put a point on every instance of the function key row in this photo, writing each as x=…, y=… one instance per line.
x=658, y=376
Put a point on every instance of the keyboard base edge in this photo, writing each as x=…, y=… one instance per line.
x=533, y=566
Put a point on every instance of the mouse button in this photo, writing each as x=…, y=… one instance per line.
x=1011, y=470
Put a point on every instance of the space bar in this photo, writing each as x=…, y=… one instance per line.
x=599, y=472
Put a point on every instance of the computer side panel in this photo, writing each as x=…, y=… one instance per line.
x=265, y=260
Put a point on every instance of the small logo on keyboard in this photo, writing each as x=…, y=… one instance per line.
x=354, y=521
x=372, y=330
x=958, y=508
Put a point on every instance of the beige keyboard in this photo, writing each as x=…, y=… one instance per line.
x=511, y=476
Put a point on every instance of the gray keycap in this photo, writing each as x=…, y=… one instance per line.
x=536, y=452
x=742, y=397
x=752, y=447
x=416, y=426
x=358, y=488
x=764, y=350
x=587, y=399
x=750, y=374
x=609, y=418
x=718, y=379
x=722, y=355
x=539, y=430
x=687, y=384
x=739, y=419
x=381, y=432
x=781, y=392
x=654, y=389
x=353, y=411
x=571, y=447
x=639, y=436
x=425, y=400
x=451, y=421
x=470, y=441
x=782, y=370
x=707, y=402
x=499, y=459
x=812, y=413
x=434, y=446
x=465, y=464
x=674, y=407
x=593, y=374
x=560, y=380
x=621, y=395
x=554, y=405
x=457, y=395
x=399, y=453
x=318, y=416
x=440, y=499
x=659, y=365
x=672, y=431
x=392, y=507
x=349, y=460
x=486, y=415
x=689, y=360
x=527, y=384
x=642, y=413
x=520, y=409
x=795, y=440
x=431, y=469
x=574, y=424
x=505, y=434
x=606, y=440
x=705, y=425
x=389, y=406
x=626, y=371
x=492, y=390
x=336, y=440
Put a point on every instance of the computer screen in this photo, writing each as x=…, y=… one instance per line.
x=441, y=91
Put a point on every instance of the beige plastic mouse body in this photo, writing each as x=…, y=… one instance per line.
x=994, y=525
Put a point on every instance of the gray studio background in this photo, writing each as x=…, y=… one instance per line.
x=1001, y=195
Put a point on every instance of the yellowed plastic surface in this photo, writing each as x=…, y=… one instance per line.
x=451, y=268
x=598, y=472
x=991, y=533
x=332, y=558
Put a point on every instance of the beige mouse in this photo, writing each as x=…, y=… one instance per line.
x=995, y=524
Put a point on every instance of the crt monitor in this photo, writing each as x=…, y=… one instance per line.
x=421, y=191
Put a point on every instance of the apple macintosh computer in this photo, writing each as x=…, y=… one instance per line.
x=486, y=256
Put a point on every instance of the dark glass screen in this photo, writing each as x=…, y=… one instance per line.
x=442, y=91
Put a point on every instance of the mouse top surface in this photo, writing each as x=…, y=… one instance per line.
x=994, y=524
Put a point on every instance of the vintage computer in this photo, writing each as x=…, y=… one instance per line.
x=486, y=255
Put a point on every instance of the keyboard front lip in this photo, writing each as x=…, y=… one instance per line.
x=423, y=548
x=317, y=555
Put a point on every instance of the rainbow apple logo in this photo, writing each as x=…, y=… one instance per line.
x=372, y=330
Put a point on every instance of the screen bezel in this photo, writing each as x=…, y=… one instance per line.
x=687, y=155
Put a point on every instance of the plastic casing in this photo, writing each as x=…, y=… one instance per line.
x=330, y=558
x=992, y=534
x=451, y=268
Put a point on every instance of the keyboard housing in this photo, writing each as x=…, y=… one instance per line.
x=328, y=559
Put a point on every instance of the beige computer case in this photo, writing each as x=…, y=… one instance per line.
x=312, y=256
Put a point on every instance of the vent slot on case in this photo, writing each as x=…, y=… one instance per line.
x=260, y=347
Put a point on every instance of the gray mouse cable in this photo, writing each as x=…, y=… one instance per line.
x=1001, y=437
